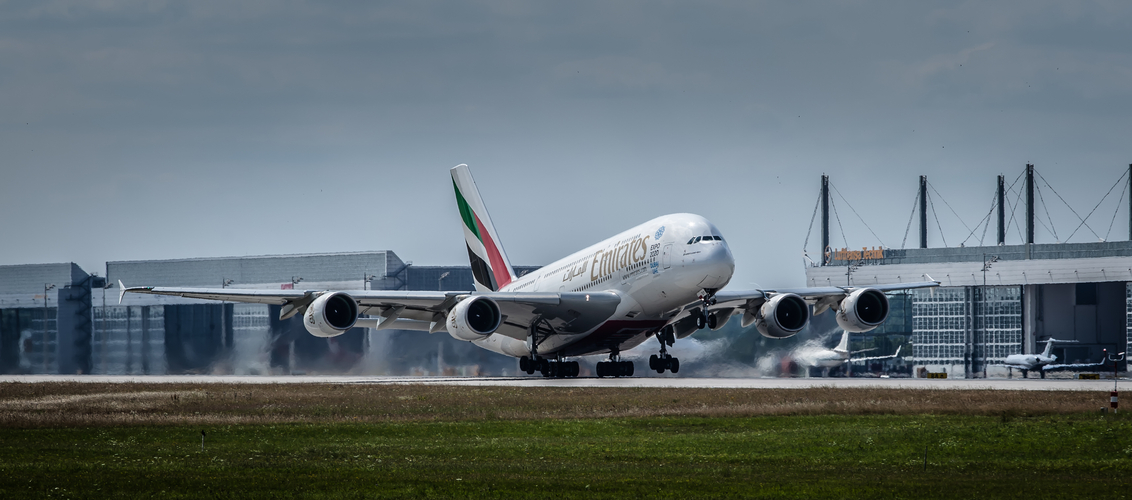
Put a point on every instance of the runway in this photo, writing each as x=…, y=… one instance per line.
x=643, y=382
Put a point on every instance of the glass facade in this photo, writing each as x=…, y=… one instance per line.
x=939, y=325
x=1128, y=315
x=128, y=340
x=948, y=323
x=998, y=323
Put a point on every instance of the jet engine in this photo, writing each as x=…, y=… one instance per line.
x=331, y=315
x=782, y=316
x=474, y=318
x=862, y=310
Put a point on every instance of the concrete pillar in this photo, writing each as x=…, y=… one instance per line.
x=1030, y=307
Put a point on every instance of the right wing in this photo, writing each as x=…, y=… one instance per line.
x=748, y=302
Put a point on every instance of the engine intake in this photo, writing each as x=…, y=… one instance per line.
x=862, y=310
x=782, y=316
x=331, y=315
x=474, y=318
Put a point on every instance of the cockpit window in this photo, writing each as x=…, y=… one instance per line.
x=709, y=237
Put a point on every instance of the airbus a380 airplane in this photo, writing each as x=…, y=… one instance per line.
x=661, y=279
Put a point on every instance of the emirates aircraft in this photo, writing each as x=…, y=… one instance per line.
x=661, y=280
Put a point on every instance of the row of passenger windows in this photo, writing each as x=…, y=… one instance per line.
x=709, y=237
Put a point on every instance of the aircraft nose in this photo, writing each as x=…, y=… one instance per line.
x=717, y=266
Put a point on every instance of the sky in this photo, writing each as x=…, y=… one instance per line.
x=161, y=130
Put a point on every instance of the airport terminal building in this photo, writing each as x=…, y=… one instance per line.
x=999, y=300
x=57, y=318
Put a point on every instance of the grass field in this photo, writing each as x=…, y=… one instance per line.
x=363, y=441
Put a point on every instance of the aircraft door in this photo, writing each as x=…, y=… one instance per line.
x=666, y=256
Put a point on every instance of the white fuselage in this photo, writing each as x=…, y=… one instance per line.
x=1028, y=361
x=657, y=268
x=821, y=357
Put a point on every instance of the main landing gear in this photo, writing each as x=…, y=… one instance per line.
x=615, y=367
x=665, y=361
x=549, y=368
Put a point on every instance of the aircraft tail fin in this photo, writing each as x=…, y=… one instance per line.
x=843, y=346
x=1049, y=345
x=491, y=269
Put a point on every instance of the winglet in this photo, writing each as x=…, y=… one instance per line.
x=121, y=291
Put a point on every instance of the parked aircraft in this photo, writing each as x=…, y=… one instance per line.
x=661, y=280
x=1042, y=362
x=820, y=357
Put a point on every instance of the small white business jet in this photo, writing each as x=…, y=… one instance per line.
x=1042, y=362
x=831, y=358
x=662, y=279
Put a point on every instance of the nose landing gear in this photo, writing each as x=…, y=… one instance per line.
x=706, y=320
x=664, y=361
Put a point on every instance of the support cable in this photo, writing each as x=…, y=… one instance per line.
x=1117, y=211
x=837, y=216
x=935, y=215
x=1099, y=204
x=1046, y=208
x=806, y=245
x=862, y=219
x=1014, y=206
x=1067, y=204
x=984, y=223
x=910, y=217
x=944, y=200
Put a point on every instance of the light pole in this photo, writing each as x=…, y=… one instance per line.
x=1115, y=358
x=102, y=336
x=224, y=282
x=295, y=281
x=849, y=272
x=441, y=278
x=366, y=278
x=46, y=287
x=987, y=265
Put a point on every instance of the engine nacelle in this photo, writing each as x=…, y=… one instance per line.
x=862, y=310
x=782, y=316
x=474, y=318
x=331, y=315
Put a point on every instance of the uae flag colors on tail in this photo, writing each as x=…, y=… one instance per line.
x=490, y=267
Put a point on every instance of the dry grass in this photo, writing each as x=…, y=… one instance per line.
x=29, y=405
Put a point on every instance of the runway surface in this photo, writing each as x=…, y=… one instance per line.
x=657, y=382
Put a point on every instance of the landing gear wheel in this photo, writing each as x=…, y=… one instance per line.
x=701, y=322
x=712, y=322
x=664, y=361
x=525, y=364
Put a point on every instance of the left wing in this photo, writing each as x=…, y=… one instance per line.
x=874, y=358
x=552, y=313
x=1072, y=366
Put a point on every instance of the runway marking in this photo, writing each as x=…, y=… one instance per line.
x=633, y=382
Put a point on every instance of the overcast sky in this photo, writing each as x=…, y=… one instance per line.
x=157, y=130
